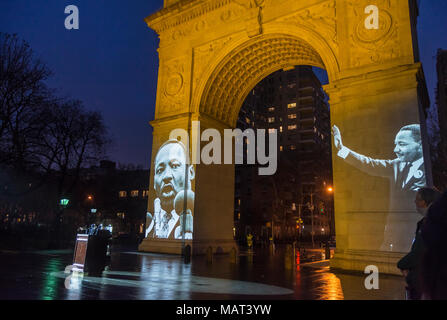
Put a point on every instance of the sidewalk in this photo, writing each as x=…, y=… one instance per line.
x=145, y=276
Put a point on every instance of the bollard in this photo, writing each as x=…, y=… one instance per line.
x=328, y=251
x=288, y=257
x=294, y=254
x=187, y=254
x=272, y=248
x=233, y=255
x=209, y=255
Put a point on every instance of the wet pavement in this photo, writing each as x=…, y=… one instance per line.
x=134, y=275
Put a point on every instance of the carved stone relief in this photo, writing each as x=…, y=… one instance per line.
x=229, y=83
x=173, y=87
x=321, y=18
x=370, y=46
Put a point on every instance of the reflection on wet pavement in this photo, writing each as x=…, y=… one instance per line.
x=140, y=276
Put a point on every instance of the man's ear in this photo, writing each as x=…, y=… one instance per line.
x=192, y=173
x=421, y=149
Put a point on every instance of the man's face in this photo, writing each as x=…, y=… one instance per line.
x=169, y=176
x=407, y=149
x=421, y=205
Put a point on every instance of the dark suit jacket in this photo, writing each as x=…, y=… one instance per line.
x=434, y=265
x=397, y=236
x=393, y=169
x=434, y=231
x=413, y=260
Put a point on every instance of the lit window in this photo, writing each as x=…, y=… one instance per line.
x=281, y=148
x=292, y=116
x=292, y=127
x=291, y=105
x=271, y=109
x=280, y=129
x=134, y=193
x=271, y=119
x=120, y=215
x=292, y=147
x=247, y=120
x=123, y=194
x=272, y=130
x=292, y=85
x=145, y=193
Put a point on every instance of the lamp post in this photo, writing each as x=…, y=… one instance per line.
x=330, y=190
x=89, y=200
x=312, y=208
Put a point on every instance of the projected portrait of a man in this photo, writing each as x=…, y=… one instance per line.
x=406, y=173
x=172, y=216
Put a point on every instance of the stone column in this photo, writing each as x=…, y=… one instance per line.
x=213, y=186
x=375, y=219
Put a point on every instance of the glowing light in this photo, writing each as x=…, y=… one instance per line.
x=157, y=280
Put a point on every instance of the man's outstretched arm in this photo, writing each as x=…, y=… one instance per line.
x=374, y=167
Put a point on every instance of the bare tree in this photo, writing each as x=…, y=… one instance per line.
x=39, y=132
x=23, y=95
x=43, y=139
x=73, y=139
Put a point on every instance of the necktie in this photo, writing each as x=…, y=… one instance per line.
x=404, y=174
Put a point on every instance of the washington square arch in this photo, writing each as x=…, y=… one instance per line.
x=212, y=53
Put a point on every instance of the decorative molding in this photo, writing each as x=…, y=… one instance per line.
x=243, y=67
x=215, y=20
x=174, y=85
x=321, y=18
x=204, y=55
x=254, y=21
x=370, y=46
x=182, y=12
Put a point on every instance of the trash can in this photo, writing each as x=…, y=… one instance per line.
x=97, y=249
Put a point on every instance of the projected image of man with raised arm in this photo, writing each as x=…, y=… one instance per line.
x=406, y=173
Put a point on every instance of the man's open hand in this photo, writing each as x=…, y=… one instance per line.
x=337, y=137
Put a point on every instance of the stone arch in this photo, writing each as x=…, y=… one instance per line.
x=248, y=64
x=213, y=52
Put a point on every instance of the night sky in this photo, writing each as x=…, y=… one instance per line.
x=111, y=62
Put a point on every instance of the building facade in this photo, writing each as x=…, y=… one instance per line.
x=441, y=95
x=440, y=163
x=117, y=196
x=293, y=103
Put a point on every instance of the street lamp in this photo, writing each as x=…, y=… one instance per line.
x=330, y=190
x=64, y=202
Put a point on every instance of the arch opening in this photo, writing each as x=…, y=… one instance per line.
x=246, y=66
x=294, y=204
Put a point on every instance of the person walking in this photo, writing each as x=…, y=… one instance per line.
x=434, y=264
x=411, y=264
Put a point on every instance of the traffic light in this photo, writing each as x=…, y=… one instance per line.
x=321, y=208
x=299, y=222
